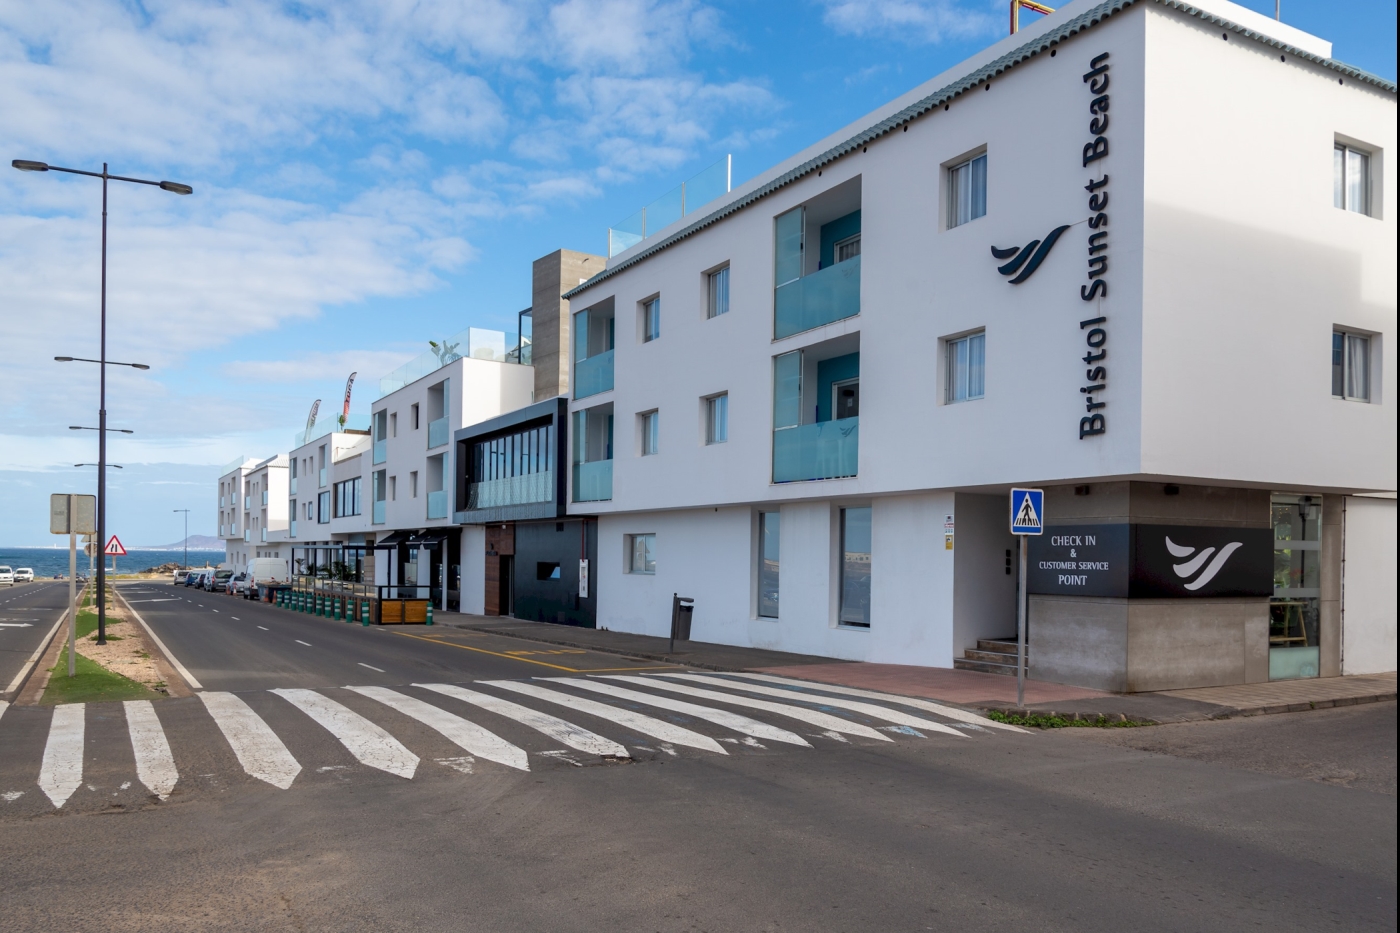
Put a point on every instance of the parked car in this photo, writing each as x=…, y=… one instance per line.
x=24, y=575
x=215, y=582
x=195, y=578
x=181, y=576
x=238, y=585
x=7, y=575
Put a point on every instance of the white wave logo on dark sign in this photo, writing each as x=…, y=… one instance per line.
x=1195, y=563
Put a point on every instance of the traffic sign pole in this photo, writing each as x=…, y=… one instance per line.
x=1021, y=610
x=1027, y=518
x=72, y=601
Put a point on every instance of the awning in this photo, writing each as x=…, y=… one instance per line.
x=420, y=537
x=393, y=539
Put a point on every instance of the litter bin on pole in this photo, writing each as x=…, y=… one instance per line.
x=682, y=609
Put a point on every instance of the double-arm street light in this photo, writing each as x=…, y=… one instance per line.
x=175, y=187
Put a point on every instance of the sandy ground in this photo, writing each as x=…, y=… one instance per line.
x=125, y=653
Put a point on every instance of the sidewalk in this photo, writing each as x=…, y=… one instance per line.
x=965, y=688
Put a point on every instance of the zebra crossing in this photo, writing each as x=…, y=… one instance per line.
x=510, y=725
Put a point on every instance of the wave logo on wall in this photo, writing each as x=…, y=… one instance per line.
x=1195, y=563
x=1026, y=259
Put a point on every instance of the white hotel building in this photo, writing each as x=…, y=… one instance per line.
x=1140, y=254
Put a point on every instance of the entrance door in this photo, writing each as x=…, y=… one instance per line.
x=1294, y=610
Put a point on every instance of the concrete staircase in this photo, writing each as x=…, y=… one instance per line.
x=991, y=656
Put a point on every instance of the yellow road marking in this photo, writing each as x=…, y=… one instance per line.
x=512, y=657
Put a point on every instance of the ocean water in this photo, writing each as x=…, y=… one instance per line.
x=53, y=561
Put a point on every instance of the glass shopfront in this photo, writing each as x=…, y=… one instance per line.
x=1294, y=612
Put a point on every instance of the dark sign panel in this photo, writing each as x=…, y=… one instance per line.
x=1080, y=560
x=1151, y=561
x=1177, y=560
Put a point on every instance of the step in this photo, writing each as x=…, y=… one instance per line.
x=986, y=667
x=994, y=657
x=1004, y=645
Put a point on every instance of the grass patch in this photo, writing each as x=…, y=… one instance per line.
x=87, y=616
x=1038, y=721
x=91, y=683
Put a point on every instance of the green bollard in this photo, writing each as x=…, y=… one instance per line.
x=335, y=608
x=429, y=620
x=321, y=606
x=364, y=613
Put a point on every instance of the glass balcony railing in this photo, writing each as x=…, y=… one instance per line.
x=247, y=535
x=593, y=481
x=825, y=450
x=593, y=375
x=381, y=451
x=437, y=433
x=264, y=535
x=292, y=486
x=437, y=504
x=292, y=528
x=323, y=476
x=247, y=502
x=379, y=513
x=330, y=425
x=264, y=497
x=513, y=490
x=831, y=294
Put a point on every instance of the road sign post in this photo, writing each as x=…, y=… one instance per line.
x=72, y=515
x=1027, y=518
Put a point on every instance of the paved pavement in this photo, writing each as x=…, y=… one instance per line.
x=28, y=613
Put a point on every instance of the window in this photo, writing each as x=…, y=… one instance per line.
x=848, y=248
x=967, y=191
x=323, y=508
x=650, y=424
x=413, y=484
x=394, y=424
x=651, y=319
x=717, y=419
x=393, y=488
x=546, y=570
x=413, y=415
x=717, y=292
x=1351, y=369
x=347, y=498
x=769, y=533
x=1351, y=179
x=855, y=567
x=641, y=554
x=966, y=368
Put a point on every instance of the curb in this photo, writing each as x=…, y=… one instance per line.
x=22, y=694
x=1224, y=712
x=178, y=681
x=667, y=658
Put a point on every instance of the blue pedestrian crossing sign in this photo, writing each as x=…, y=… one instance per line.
x=1027, y=511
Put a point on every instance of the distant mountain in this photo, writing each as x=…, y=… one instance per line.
x=194, y=542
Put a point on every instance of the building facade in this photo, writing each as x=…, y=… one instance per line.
x=1112, y=256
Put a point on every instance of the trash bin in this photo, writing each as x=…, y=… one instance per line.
x=684, y=613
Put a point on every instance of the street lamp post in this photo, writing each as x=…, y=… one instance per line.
x=175, y=187
x=186, y=564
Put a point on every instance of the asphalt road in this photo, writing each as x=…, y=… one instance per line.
x=1220, y=828
x=28, y=612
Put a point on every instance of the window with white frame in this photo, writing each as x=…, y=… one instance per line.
x=641, y=554
x=651, y=319
x=1351, y=366
x=717, y=292
x=966, y=366
x=848, y=248
x=967, y=191
x=1351, y=179
x=717, y=419
x=649, y=425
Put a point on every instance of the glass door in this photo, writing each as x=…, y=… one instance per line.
x=1294, y=608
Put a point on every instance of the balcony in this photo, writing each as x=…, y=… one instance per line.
x=264, y=536
x=292, y=486
x=824, y=450
x=593, y=375
x=437, y=433
x=379, y=512
x=292, y=528
x=247, y=502
x=381, y=451
x=323, y=476
x=264, y=497
x=513, y=490
x=437, y=504
x=831, y=294
x=593, y=481
x=247, y=535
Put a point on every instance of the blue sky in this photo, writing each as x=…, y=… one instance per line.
x=371, y=175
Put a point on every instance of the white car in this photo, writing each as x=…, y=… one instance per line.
x=7, y=576
x=24, y=575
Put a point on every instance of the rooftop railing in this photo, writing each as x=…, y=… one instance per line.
x=326, y=426
x=685, y=198
x=472, y=343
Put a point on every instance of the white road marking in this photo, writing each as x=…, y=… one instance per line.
x=264, y=628
x=3, y=706
x=948, y=712
x=832, y=726
x=174, y=661
x=258, y=748
x=167, y=599
x=16, y=625
x=214, y=610
x=867, y=709
x=462, y=732
x=154, y=764
x=750, y=727
x=575, y=737
x=363, y=664
x=38, y=653
x=646, y=725
x=362, y=738
x=62, y=770
x=300, y=642
x=235, y=618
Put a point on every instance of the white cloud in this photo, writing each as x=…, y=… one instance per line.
x=912, y=20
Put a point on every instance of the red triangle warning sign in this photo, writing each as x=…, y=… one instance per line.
x=114, y=547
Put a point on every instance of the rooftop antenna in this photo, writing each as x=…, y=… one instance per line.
x=311, y=421
x=345, y=411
